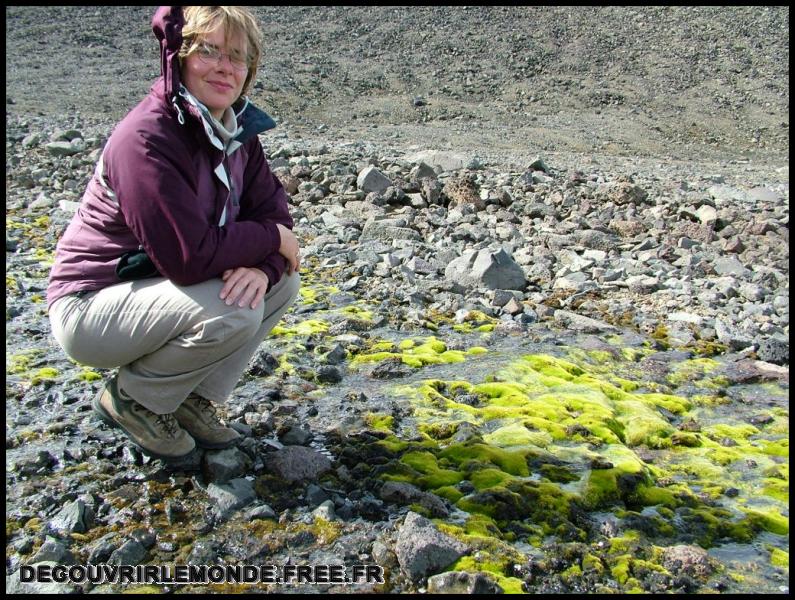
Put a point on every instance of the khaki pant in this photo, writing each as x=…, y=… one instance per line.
x=168, y=340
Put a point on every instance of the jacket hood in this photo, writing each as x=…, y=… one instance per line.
x=167, y=25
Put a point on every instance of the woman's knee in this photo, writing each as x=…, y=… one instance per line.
x=244, y=321
x=294, y=286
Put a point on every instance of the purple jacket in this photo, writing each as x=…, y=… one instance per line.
x=158, y=187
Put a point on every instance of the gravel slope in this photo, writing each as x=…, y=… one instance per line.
x=673, y=82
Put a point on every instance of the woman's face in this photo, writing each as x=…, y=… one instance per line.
x=216, y=83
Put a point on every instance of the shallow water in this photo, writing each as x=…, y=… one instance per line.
x=703, y=470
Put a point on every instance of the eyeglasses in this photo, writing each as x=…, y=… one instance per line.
x=210, y=55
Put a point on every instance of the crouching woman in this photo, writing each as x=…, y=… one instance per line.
x=181, y=257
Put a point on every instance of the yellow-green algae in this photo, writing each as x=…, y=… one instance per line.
x=431, y=351
x=88, y=375
x=476, y=320
x=380, y=421
x=549, y=417
x=358, y=313
x=21, y=362
x=44, y=374
x=779, y=558
x=305, y=328
x=309, y=293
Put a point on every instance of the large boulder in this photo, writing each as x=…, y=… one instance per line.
x=487, y=268
x=372, y=180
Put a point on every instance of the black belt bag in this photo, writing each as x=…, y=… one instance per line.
x=136, y=265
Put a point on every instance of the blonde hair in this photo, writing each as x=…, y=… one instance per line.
x=236, y=21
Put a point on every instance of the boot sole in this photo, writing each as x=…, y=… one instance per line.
x=110, y=421
x=216, y=445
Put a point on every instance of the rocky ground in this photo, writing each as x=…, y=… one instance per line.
x=539, y=181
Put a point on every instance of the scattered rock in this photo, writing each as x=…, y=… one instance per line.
x=690, y=560
x=298, y=463
x=422, y=550
x=461, y=582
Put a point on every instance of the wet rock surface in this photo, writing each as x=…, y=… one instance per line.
x=437, y=258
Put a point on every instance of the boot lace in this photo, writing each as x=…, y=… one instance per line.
x=166, y=422
x=208, y=408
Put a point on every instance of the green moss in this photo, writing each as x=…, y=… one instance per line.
x=601, y=489
x=88, y=375
x=558, y=473
x=625, y=543
x=21, y=362
x=438, y=430
x=690, y=370
x=708, y=348
x=407, y=344
x=686, y=439
x=310, y=293
x=648, y=495
x=374, y=357
x=591, y=562
x=553, y=368
x=711, y=525
x=487, y=478
x=499, y=503
x=358, y=313
x=382, y=422
x=775, y=447
x=44, y=374
x=634, y=354
x=624, y=384
x=778, y=557
x=304, y=328
x=721, y=455
x=284, y=364
x=737, y=433
x=700, y=468
x=769, y=520
x=385, y=346
x=449, y=492
x=424, y=462
x=644, y=426
x=676, y=404
x=573, y=572
x=482, y=526
x=550, y=417
x=512, y=462
x=431, y=352
x=496, y=568
x=433, y=477
x=517, y=434
x=621, y=568
x=393, y=444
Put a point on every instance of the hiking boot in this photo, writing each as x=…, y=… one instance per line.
x=198, y=416
x=157, y=435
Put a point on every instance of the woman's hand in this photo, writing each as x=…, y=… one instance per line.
x=244, y=285
x=289, y=248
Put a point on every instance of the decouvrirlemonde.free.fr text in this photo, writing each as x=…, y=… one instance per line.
x=202, y=574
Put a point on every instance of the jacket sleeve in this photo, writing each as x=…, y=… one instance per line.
x=154, y=179
x=264, y=201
